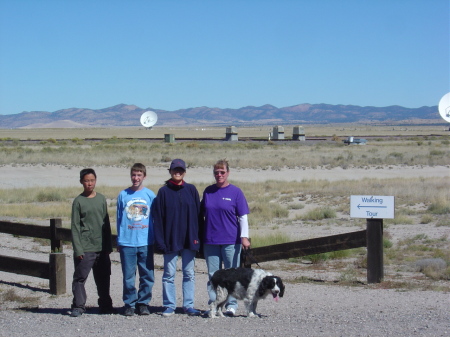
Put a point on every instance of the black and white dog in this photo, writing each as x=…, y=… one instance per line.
x=246, y=284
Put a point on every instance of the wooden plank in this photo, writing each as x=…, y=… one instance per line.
x=307, y=247
x=21, y=266
x=21, y=229
x=63, y=234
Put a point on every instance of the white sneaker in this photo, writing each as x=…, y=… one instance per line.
x=230, y=312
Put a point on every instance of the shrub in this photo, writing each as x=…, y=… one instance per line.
x=320, y=213
x=387, y=243
x=434, y=268
x=400, y=219
x=396, y=155
x=436, y=153
x=443, y=223
x=426, y=218
x=439, y=208
x=296, y=206
x=49, y=196
x=339, y=254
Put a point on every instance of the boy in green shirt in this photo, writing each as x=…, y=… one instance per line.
x=91, y=240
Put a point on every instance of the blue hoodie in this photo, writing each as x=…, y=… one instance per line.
x=176, y=218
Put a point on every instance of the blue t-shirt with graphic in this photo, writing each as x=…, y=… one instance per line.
x=134, y=219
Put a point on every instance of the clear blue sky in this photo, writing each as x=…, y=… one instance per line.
x=168, y=54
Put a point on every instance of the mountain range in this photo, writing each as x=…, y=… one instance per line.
x=123, y=115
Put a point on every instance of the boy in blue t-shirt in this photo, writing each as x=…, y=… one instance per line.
x=135, y=242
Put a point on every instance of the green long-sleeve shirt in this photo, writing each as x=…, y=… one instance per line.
x=91, y=230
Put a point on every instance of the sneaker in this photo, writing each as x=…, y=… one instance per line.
x=168, y=312
x=191, y=312
x=230, y=312
x=129, y=311
x=76, y=312
x=143, y=310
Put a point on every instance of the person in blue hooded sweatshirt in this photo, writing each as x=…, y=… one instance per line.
x=176, y=218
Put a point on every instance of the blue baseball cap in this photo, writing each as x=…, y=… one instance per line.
x=177, y=163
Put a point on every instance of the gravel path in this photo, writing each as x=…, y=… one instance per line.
x=305, y=310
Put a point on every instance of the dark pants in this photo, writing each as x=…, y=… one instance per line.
x=100, y=264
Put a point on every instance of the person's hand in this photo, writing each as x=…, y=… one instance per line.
x=245, y=243
x=118, y=249
x=81, y=257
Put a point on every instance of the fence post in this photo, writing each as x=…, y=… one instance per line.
x=375, y=271
x=57, y=273
x=55, y=243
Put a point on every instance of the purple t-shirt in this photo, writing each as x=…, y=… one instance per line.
x=222, y=207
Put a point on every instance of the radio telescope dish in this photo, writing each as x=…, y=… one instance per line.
x=444, y=107
x=149, y=118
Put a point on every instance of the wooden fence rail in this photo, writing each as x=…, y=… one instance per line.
x=55, y=270
x=308, y=247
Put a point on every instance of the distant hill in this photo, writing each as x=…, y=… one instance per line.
x=123, y=115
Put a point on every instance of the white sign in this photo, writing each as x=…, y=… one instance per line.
x=372, y=206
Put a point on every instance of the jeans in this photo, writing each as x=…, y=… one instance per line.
x=142, y=259
x=215, y=255
x=100, y=264
x=168, y=279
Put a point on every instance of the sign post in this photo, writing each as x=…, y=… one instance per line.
x=373, y=209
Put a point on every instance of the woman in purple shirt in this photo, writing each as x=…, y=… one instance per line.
x=226, y=226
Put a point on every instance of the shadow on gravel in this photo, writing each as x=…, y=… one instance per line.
x=25, y=286
x=53, y=311
x=154, y=310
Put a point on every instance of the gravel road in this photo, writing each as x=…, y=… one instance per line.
x=305, y=310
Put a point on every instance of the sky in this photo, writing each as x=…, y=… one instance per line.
x=177, y=54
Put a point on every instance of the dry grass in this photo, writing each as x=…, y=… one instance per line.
x=269, y=202
x=117, y=151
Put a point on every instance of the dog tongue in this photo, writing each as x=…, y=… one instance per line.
x=275, y=297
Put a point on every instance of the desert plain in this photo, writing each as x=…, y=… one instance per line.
x=296, y=190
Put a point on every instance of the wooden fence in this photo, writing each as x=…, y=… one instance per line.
x=55, y=269
x=371, y=237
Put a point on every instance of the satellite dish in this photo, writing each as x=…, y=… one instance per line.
x=444, y=107
x=149, y=118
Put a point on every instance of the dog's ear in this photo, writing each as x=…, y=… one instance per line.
x=265, y=283
x=281, y=285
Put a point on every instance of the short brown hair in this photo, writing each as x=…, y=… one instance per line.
x=222, y=163
x=139, y=168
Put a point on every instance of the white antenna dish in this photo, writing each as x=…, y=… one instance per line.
x=444, y=107
x=149, y=118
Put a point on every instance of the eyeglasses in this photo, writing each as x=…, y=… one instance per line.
x=222, y=173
